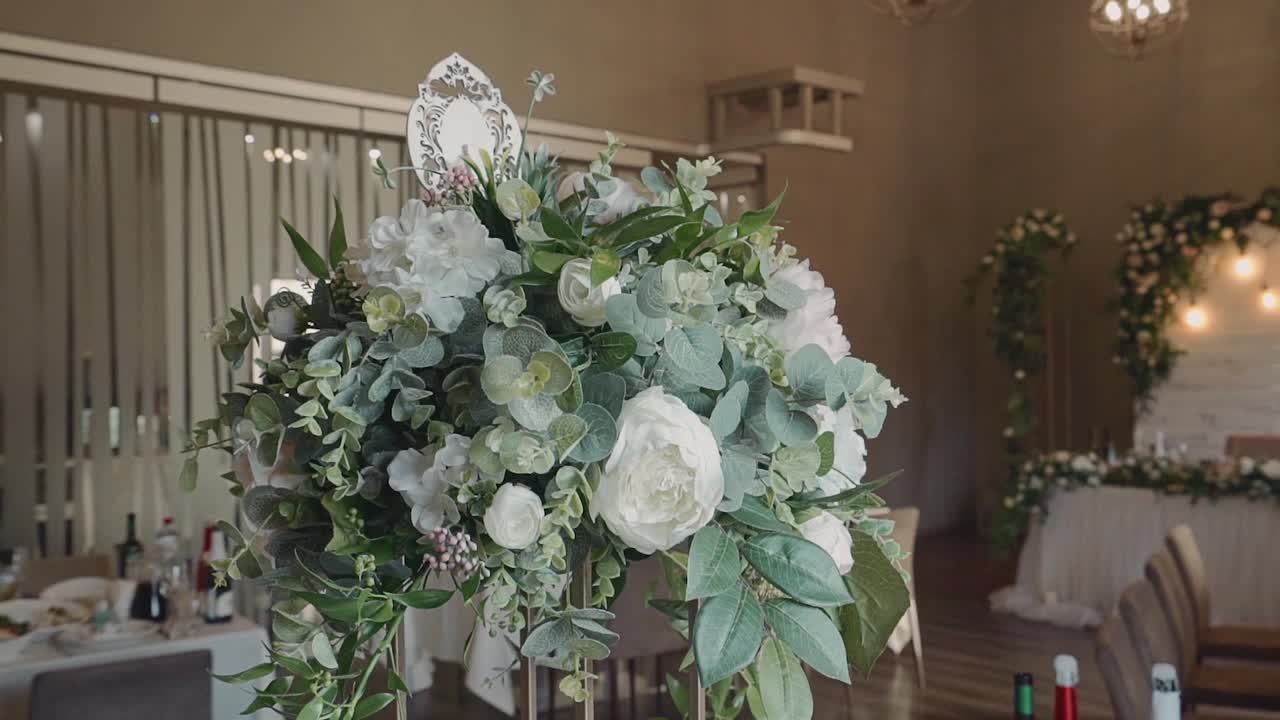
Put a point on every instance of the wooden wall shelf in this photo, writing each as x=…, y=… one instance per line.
x=782, y=94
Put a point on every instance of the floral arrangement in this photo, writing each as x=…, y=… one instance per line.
x=1039, y=477
x=524, y=382
x=1163, y=245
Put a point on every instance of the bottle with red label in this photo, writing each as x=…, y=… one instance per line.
x=1066, y=671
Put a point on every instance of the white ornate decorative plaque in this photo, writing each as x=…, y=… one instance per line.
x=459, y=112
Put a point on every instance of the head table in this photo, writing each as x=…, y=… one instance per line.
x=1093, y=542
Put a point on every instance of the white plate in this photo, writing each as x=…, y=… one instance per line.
x=35, y=612
x=81, y=589
x=79, y=639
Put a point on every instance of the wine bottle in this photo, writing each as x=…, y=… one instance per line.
x=129, y=552
x=204, y=574
x=1166, y=700
x=220, y=601
x=1024, y=701
x=1066, y=673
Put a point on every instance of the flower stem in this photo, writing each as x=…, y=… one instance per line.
x=387, y=640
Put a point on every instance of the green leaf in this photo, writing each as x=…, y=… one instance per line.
x=612, y=349
x=312, y=710
x=826, y=443
x=755, y=513
x=726, y=633
x=880, y=598
x=739, y=470
x=792, y=427
x=341, y=609
x=322, y=651
x=811, y=634
x=784, y=294
x=395, y=682
x=728, y=411
x=190, y=472
x=602, y=432
x=648, y=228
x=714, y=564
x=624, y=315
x=797, y=567
x=605, y=264
x=371, y=705
x=254, y=673
x=428, y=599
x=696, y=351
x=844, y=498
x=784, y=690
x=752, y=220
x=798, y=465
x=311, y=260
x=608, y=390
x=555, y=226
x=566, y=432
x=337, y=237
x=550, y=262
x=807, y=371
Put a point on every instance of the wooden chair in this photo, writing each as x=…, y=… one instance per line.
x=1158, y=638
x=1225, y=641
x=40, y=573
x=1258, y=447
x=906, y=522
x=1128, y=680
x=165, y=687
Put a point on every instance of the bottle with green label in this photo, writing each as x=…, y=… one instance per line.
x=1024, y=697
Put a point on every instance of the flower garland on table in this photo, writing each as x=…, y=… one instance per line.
x=1163, y=245
x=518, y=376
x=1018, y=260
x=1039, y=477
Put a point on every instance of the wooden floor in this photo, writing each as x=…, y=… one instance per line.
x=970, y=654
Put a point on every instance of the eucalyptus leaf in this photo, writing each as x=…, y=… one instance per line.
x=807, y=371
x=791, y=427
x=602, y=432
x=607, y=390
x=566, y=432
x=612, y=349
x=624, y=315
x=739, y=470
x=785, y=294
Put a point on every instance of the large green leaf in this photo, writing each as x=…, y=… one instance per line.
x=257, y=671
x=427, y=599
x=612, y=349
x=602, y=432
x=753, y=220
x=727, y=633
x=792, y=427
x=311, y=260
x=811, y=634
x=807, y=371
x=714, y=564
x=783, y=689
x=755, y=513
x=797, y=567
x=337, y=237
x=647, y=228
x=372, y=704
x=624, y=315
x=696, y=351
x=880, y=597
x=728, y=411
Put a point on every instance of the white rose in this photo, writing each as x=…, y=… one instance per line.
x=850, y=463
x=1081, y=463
x=584, y=302
x=424, y=477
x=829, y=533
x=815, y=322
x=1247, y=465
x=621, y=199
x=662, y=482
x=514, y=517
x=1271, y=469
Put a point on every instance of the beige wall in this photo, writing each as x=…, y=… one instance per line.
x=889, y=223
x=1063, y=124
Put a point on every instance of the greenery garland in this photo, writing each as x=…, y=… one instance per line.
x=1160, y=267
x=1039, y=477
x=1018, y=260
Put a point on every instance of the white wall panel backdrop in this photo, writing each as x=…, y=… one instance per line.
x=126, y=232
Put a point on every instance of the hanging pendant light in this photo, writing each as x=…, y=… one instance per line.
x=914, y=12
x=1135, y=28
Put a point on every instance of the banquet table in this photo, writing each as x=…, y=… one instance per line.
x=234, y=646
x=1094, y=542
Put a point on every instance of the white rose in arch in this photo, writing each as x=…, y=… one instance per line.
x=815, y=322
x=514, y=518
x=850, y=463
x=578, y=298
x=1271, y=469
x=662, y=482
x=829, y=533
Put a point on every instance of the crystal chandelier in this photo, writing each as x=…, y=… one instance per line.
x=1133, y=28
x=913, y=12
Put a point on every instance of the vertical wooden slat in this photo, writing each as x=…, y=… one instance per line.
x=151, y=299
x=77, y=318
x=100, y=526
x=122, y=135
x=263, y=226
x=173, y=197
x=775, y=108
x=806, y=106
x=837, y=112
x=18, y=381
x=346, y=159
x=53, y=183
x=719, y=113
x=297, y=208
x=312, y=144
x=232, y=179
x=201, y=288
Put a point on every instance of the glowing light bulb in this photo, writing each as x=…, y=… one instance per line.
x=299, y=154
x=1269, y=300
x=286, y=159
x=1142, y=13
x=1196, y=317
x=268, y=156
x=1162, y=6
x=248, y=139
x=1113, y=11
x=280, y=153
x=374, y=154
x=35, y=126
x=1244, y=266
x=1133, y=4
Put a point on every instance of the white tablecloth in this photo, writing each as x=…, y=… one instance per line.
x=441, y=634
x=235, y=646
x=1094, y=542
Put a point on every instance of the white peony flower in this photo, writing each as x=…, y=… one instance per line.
x=850, y=463
x=829, y=533
x=814, y=322
x=1247, y=465
x=430, y=258
x=662, y=482
x=1082, y=463
x=514, y=517
x=423, y=478
x=578, y=298
x=621, y=198
x=1271, y=469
